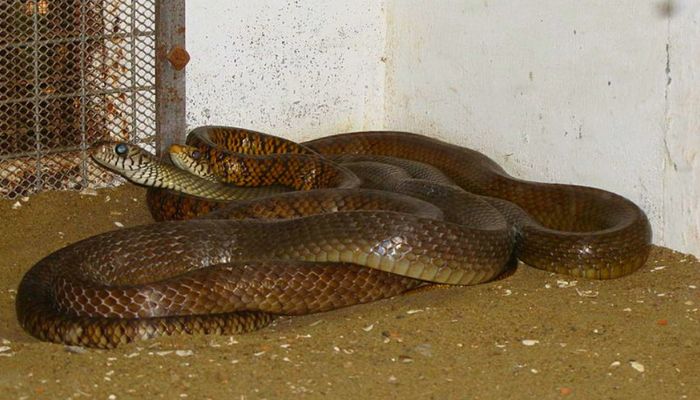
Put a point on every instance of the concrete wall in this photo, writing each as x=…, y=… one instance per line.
x=590, y=92
x=297, y=68
x=681, y=214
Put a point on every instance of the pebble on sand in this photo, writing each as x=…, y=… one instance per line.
x=76, y=349
x=637, y=366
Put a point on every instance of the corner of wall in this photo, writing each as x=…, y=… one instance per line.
x=681, y=179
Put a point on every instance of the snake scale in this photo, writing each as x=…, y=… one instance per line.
x=274, y=227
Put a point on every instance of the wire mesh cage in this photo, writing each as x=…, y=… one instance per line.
x=72, y=73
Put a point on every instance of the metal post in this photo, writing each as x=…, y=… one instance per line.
x=171, y=59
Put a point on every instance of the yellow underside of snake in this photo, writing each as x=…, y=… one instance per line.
x=371, y=215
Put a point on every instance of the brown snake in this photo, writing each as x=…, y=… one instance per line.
x=308, y=251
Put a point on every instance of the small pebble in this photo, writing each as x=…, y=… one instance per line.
x=614, y=364
x=410, y=312
x=16, y=205
x=184, y=353
x=405, y=359
x=587, y=293
x=76, y=349
x=637, y=366
x=530, y=342
x=662, y=322
x=424, y=349
x=368, y=328
x=389, y=336
x=565, y=391
x=118, y=224
x=88, y=192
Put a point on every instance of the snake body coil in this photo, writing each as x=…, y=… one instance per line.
x=372, y=217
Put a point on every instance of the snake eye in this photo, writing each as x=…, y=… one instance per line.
x=196, y=154
x=121, y=149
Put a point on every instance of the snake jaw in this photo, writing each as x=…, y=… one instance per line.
x=189, y=158
x=124, y=158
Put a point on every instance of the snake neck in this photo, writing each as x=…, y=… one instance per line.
x=166, y=176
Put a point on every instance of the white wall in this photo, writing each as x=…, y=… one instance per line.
x=560, y=91
x=681, y=216
x=297, y=68
x=555, y=91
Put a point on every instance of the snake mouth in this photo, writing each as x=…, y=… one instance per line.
x=178, y=155
x=121, y=157
x=102, y=153
x=190, y=159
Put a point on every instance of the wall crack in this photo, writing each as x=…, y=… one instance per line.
x=667, y=102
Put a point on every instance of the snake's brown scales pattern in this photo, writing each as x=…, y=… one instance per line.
x=230, y=270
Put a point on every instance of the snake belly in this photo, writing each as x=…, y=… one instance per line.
x=238, y=264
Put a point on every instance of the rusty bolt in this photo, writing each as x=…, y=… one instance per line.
x=178, y=58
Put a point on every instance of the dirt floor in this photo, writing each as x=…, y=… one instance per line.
x=531, y=335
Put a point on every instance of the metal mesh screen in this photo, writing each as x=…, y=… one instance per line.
x=72, y=72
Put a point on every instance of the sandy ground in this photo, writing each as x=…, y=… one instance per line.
x=531, y=335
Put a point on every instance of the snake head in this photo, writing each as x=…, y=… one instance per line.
x=121, y=157
x=191, y=159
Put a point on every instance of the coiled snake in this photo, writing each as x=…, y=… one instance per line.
x=373, y=215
